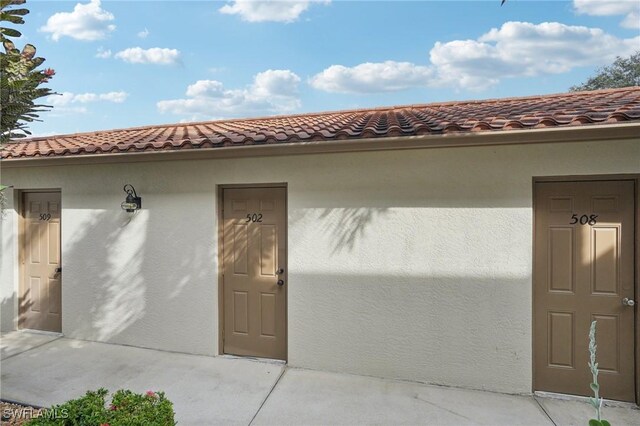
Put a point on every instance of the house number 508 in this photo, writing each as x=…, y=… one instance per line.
x=584, y=219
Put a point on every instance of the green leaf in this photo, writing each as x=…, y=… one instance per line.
x=29, y=51
x=10, y=32
x=605, y=423
x=594, y=387
x=37, y=61
x=5, y=3
x=7, y=17
x=20, y=12
x=594, y=422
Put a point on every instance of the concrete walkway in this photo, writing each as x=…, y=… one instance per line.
x=14, y=343
x=224, y=390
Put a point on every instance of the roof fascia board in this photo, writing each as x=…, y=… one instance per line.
x=502, y=137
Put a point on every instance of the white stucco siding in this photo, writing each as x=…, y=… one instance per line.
x=8, y=266
x=148, y=281
x=407, y=264
x=425, y=262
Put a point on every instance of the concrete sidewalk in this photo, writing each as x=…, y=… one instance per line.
x=225, y=390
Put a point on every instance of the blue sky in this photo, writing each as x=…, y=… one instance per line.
x=132, y=63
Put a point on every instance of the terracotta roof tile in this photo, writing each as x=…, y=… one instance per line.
x=561, y=110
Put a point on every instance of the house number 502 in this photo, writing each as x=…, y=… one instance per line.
x=584, y=219
x=254, y=217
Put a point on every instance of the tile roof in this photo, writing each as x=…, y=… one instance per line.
x=559, y=110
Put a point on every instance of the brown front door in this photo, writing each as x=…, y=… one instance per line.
x=584, y=271
x=254, y=272
x=40, y=292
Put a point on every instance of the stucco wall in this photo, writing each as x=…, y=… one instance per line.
x=8, y=264
x=407, y=264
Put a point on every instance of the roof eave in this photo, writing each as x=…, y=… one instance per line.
x=584, y=133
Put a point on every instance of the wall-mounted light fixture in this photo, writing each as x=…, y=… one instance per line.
x=132, y=202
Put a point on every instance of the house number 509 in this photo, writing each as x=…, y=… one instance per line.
x=584, y=219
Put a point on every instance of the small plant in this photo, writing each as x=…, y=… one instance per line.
x=126, y=408
x=596, y=401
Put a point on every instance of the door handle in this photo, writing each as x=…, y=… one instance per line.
x=280, y=283
x=58, y=270
x=628, y=302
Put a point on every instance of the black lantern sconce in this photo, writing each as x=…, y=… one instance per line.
x=132, y=202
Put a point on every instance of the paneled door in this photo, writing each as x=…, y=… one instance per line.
x=40, y=301
x=584, y=271
x=255, y=272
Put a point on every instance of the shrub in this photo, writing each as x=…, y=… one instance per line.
x=596, y=401
x=126, y=408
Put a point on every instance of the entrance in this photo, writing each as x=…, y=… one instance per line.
x=584, y=271
x=254, y=267
x=40, y=300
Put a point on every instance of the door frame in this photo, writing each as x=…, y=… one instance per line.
x=220, y=237
x=634, y=177
x=22, y=206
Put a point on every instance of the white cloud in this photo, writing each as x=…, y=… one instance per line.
x=206, y=89
x=282, y=83
x=87, y=22
x=270, y=10
x=116, y=97
x=68, y=98
x=144, y=33
x=272, y=91
x=155, y=55
x=103, y=54
x=517, y=49
x=520, y=49
x=629, y=8
x=372, y=77
x=632, y=20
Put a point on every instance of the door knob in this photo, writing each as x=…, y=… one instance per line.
x=58, y=269
x=280, y=271
x=628, y=302
x=280, y=283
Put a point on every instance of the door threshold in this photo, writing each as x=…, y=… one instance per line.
x=255, y=358
x=46, y=333
x=585, y=399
